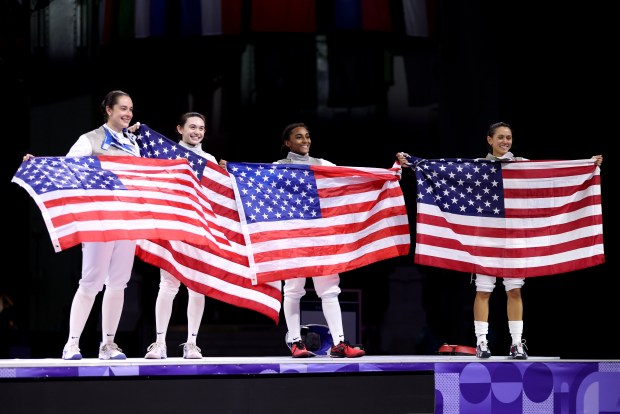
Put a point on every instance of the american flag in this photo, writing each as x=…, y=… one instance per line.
x=179, y=207
x=509, y=219
x=219, y=270
x=95, y=199
x=308, y=220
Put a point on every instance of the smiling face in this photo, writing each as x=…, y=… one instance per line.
x=120, y=114
x=501, y=141
x=193, y=131
x=299, y=141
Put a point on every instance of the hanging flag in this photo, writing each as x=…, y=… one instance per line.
x=510, y=219
x=283, y=16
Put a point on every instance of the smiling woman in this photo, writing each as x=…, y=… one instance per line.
x=104, y=263
x=296, y=138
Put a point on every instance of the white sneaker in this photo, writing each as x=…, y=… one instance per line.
x=72, y=352
x=191, y=351
x=156, y=350
x=111, y=351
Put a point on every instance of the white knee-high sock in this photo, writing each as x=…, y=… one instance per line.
x=481, y=329
x=333, y=316
x=111, y=310
x=80, y=310
x=516, y=331
x=195, y=309
x=292, y=315
x=163, y=311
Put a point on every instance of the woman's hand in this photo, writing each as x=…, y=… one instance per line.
x=598, y=159
x=402, y=158
x=134, y=127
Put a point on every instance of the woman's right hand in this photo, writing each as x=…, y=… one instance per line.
x=27, y=157
x=134, y=127
x=401, y=156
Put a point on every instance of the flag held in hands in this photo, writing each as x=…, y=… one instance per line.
x=308, y=220
x=98, y=199
x=508, y=219
x=180, y=207
x=189, y=217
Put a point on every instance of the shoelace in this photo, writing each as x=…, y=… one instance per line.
x=111, y=347
x=191, y=347
x=520, y=346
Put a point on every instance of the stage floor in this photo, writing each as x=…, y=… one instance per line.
x=369, y=360
x=453, y=384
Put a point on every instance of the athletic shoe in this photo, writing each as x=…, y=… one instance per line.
x=345, y=350
x=298, y=349
x=71, y=352
x=517, y=351
x=482, y=350
x=156, y=350
x=191, y=351
x=111, y=351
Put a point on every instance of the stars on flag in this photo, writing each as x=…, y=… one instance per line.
x=472, y=187
x=277, y=192
x=46, y=174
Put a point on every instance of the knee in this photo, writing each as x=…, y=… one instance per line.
x=294, y=289
x=88, y=292
x=115, y=288
x=514, y=294
x=194, y=294
x=294, y=294
x=329, y=298
x=168, y=285
x=168, y=290
x=91, y=285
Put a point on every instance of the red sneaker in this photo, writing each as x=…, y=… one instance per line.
x=345, y=350
x=299, y=350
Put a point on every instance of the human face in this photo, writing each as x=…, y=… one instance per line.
x=501, y=141
x=193, y=132
x=299, y=141
x=120, y=115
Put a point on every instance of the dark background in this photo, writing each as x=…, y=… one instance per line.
x=549, y=71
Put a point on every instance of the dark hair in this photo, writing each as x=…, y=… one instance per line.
x=187, y=115
x=288, y=130
x=110, y=100
x=496, y=125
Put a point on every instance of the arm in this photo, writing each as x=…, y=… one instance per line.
x=81, y=148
